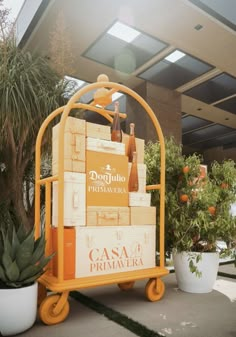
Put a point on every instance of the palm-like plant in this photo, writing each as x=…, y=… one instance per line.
x=29, y=90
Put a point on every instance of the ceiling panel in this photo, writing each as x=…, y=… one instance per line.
x=190, y=123
x=173, y=75
x=206, y=133
x=224, y=11
x=122, y=55
x=228, y=105
x=225, y=141
x=213, y=90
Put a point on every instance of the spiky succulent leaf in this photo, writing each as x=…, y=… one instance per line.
x=13, y=272
x=1, y=246
x=25, y=251
x=22, y=259
x=32, y=270
x=6, y=245
x=15, y=243
x=2, y=275
x=21, y=233
x=39, y=246
x=6, y=260
x=32, y=278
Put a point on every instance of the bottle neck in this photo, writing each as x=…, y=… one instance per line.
x=132, y=129
x=134, y=157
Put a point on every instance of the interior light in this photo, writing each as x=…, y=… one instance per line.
x=175, y=56
x=123, y=32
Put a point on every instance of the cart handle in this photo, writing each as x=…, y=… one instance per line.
x=153, y=187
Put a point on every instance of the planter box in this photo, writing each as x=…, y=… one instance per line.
x=139, y=199
x=74, y=200
x=74, y=146
x=108, y=216
x=114, y=249
x=142, y=215
x=98, y=131
x=107, y=179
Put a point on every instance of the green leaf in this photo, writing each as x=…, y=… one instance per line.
x=21, y=234
x=25, y=251
x=6, y=260
x=15, y=243
x=32, y=270
x=32, y=278
x=12, y=272
x=6, y=245
x=39, y=248
x=198, y=258
x=2, y=275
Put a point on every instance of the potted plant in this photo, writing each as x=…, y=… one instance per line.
x=22, y=262
x=197, y=215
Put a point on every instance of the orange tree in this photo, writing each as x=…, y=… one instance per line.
x=197, y=210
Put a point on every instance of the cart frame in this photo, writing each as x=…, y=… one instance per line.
x=55, y=308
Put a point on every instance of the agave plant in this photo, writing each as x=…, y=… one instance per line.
x=22, y=258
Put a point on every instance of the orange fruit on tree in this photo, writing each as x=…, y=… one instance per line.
x=185, y=169
x=184, y=197
x=212, y=210
x=224, y=185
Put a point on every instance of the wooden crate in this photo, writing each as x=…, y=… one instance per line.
x=69, y=253
x=74, y=200
x=98, y=131
x=142, y=216
x=112, y=249
x=74, y=146
x=139, y=199
x=107, y=216
x=105, y=146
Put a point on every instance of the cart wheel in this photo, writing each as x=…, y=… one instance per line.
x=154, y=292
x=126, y=285
x=42, y=293
x=46, y=313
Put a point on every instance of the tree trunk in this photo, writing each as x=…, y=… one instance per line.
x=17, y=201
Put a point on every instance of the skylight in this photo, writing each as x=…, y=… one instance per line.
x=79, y=83
x=116, y=96
x=175, y=56
x=123, y=32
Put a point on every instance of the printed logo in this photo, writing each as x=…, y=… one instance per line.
x=104, y=180
x=116, y=258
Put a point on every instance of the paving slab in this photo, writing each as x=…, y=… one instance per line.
x=177, y=314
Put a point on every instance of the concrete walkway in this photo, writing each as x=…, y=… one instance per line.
x=177, y=314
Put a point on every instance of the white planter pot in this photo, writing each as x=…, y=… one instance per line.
x=18, y=309
x=188, y=281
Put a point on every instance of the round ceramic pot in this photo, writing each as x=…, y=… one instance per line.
x=188, y=281
x=18, y=309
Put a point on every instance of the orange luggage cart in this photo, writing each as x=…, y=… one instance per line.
x=54, y=308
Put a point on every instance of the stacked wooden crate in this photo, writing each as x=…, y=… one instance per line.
x=107, y=229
